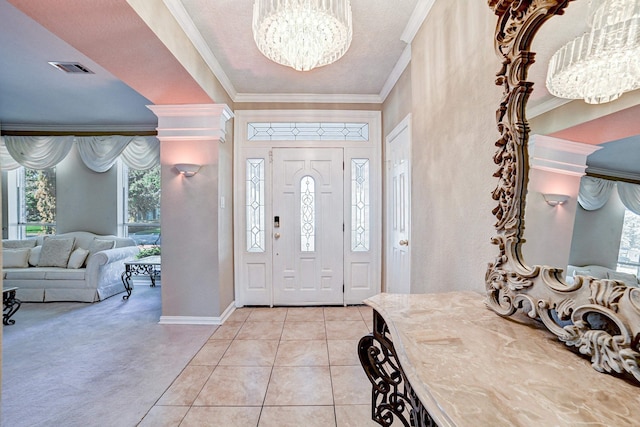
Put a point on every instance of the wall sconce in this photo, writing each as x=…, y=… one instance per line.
x=555, y=199
x=187, y=169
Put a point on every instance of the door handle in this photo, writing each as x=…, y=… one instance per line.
x=276, y=235
x=404, y=243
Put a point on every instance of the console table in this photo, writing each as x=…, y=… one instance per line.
x=11, y=304
x=447, y=360
x=149, y=266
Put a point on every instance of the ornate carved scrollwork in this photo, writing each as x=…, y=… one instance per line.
x=600, y=318
x=392, y=396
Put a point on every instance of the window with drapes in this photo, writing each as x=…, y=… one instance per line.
x=30, y=162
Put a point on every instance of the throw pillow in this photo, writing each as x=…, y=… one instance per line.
x=19, y=244
x=15, y=258
x=628, y=278
x=55, y=252
x=77, y=258
x=98, y=245
x=34, y=257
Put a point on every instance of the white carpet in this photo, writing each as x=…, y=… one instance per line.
x=102, y=364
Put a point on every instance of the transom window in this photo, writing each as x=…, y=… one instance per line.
x=312, y=131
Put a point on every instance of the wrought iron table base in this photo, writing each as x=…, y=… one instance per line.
x=11, y=304
x=151, y=270
x=392, y=396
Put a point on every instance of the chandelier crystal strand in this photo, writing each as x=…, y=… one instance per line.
x=603, y=63
x=302, y=34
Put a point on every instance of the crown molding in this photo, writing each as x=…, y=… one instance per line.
x=420, y=13
x=613, y=173
x=113, y=129
x=309, y=98
x=176, y=8
x=559, y=155
x=394, y=76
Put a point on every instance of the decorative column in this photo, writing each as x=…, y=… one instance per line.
x=556, y=168
x=191, y=288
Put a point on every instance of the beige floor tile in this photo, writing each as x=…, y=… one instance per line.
x=210, y=353
x=164, y=416
x=250, y=353
x=239, y=315
x=305, y=314
x=221, y=417
x=303, y=331
x=264, y=330
x=346, y=329
x=186, y=387
x=350, y=385
x=342, y=313
x=343, y=352
x=228, y=331
x=265, y=314
x=355, y=416
x=302, y=353
x=293, y=386
x=296, y=416
x=235, y=386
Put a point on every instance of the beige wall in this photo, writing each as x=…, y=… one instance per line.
x=454, y=100
x=398, y=103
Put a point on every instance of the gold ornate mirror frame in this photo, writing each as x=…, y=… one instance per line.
x=598, y=318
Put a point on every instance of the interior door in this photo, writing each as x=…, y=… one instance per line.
x=398, y=209
x=308, y=226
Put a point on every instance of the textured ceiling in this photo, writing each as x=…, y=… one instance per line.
x=378, y=25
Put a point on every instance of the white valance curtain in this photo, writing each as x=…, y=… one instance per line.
x=98, y=153
x=595, y=192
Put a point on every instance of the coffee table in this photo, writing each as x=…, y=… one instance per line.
x=11, y=305
x=149, y=266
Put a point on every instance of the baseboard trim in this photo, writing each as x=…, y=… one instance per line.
x=197, y=320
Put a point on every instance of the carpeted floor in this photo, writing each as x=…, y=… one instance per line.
x=102, y=364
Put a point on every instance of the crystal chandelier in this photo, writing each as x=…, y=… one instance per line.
x=603, y=63
x=302, y=34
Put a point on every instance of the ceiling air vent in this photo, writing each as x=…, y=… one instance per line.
x=71, y=67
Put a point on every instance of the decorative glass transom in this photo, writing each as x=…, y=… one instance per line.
x=307, y=214
x=360, y=228
x=301, y=131
x=255, y=220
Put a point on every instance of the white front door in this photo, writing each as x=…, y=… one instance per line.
x=399, y=208
x=308, y=226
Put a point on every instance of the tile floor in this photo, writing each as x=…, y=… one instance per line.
x=274, y=367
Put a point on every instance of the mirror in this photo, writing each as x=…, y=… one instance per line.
x=599, y=318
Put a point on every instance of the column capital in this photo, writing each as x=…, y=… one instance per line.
x=191, y=121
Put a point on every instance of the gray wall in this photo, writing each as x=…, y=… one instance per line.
x=596, y=234
x=86, y=200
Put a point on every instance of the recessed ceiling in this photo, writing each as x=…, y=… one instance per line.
x=225, y=29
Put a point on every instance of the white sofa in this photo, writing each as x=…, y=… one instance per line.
x=91, y=272
x=600, y=272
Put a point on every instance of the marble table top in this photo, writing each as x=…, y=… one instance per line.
x=471, y=367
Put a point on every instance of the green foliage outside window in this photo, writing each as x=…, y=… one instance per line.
x=144, y=195
x=40, y=199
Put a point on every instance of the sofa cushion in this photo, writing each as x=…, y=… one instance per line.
x=98, y=245
x=65, y=274
x=15, y=258
x=18, y=244
x=77, y=258
x=55, y=252
x=34, y=256
x=25, y=273
x=628, y=278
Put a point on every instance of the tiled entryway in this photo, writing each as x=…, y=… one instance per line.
x=274, y=367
